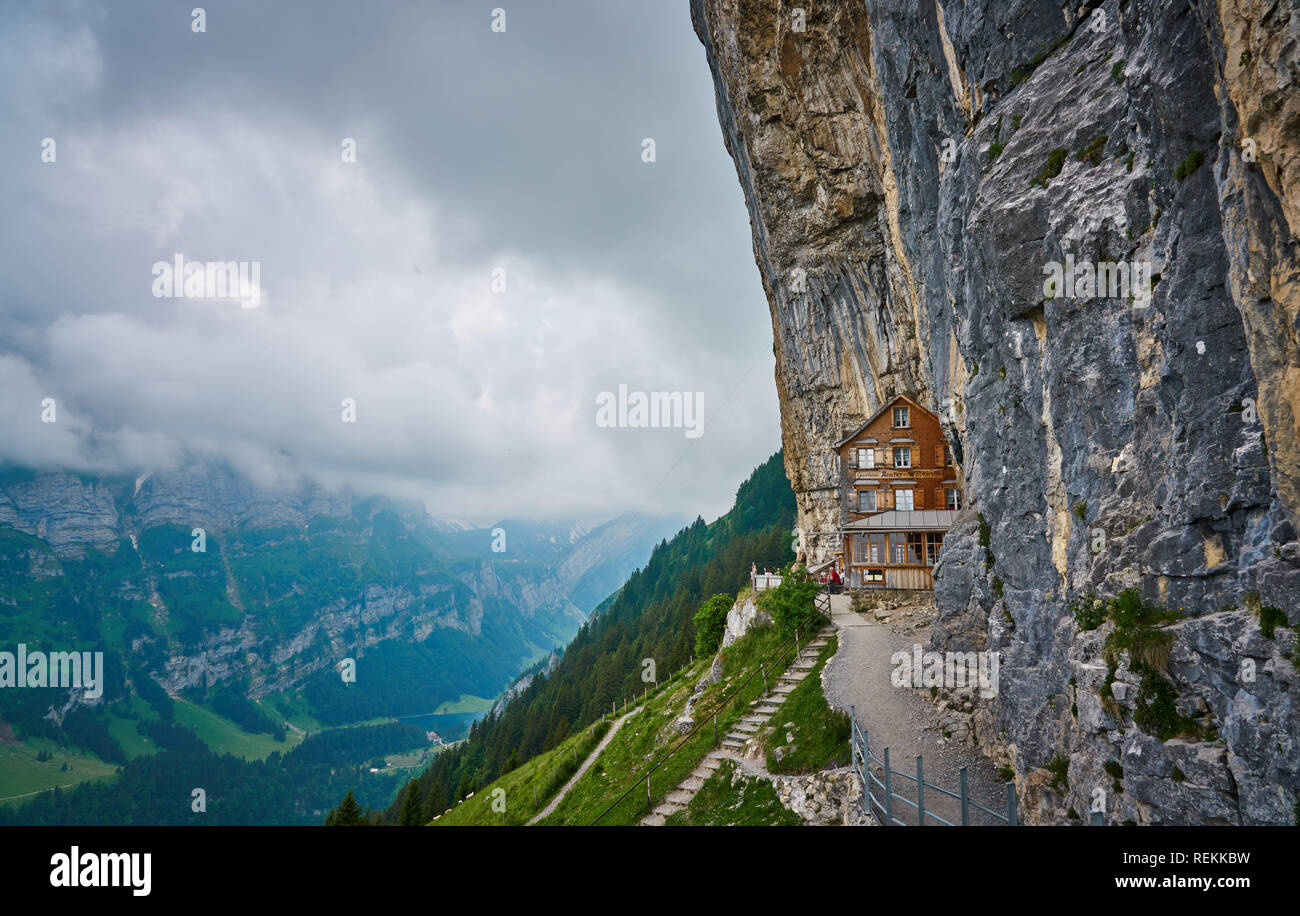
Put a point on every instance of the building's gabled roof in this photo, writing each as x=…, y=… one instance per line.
x=886, y=406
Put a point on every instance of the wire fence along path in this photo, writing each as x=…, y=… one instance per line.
x=880, y=780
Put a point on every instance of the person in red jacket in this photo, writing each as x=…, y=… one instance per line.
x=835, y=581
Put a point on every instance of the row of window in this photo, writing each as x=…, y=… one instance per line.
x=897, y=548
x=865, y=458
x=905, y=500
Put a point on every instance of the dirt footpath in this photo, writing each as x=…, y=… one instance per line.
x=903, y=718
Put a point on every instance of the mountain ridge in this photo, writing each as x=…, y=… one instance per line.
x=276, y=590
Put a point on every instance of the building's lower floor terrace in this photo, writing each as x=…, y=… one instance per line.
x=895, y=549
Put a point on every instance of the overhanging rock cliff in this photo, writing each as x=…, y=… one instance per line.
x=912, y=171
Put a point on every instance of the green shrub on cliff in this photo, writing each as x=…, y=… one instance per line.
x=1052, y=167
x=790, y=604
x=1270, y=618
x=710, y=622
x=1189, y=165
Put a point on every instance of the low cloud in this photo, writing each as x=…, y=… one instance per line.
x=377, y=285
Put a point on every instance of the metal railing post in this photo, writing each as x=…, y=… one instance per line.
x=920, y=793
x=866, y=771
x=965, y=800
x=858, y=757
x=1011, y=804
x=889, y=794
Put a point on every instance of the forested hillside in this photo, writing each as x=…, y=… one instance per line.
x=222, y=609
x=294, y=787
x=651, y=617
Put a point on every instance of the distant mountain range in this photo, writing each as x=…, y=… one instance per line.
x=208, y=585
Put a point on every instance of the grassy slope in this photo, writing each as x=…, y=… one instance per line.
x=290, y=708
x=746, y=802
x=225, y=737
x=821, y=734
x=529, y=787
x=21, y=773
x=123, y=718
x=638, y=746
x=465, y=703
x=548, y=772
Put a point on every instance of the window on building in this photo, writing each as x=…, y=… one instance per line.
x=947, y=457
x=898, y=548
x=866, y=458
x=868, y=548
x=903, y=457
x=916, y=549
x=873, y=575
x=903, y=500
x=867, y=501
x=900, y=416
x=933, y=541
x=953, y=500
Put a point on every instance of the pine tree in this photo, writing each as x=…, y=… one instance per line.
x=410, y=816
x=347, y=814
x=433, y=802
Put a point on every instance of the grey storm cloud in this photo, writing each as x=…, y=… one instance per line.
x=480, y=155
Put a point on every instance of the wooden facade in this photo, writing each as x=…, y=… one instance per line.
x=899, y=494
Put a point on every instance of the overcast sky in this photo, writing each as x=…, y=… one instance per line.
x=475, y=151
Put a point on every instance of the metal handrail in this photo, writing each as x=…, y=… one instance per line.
x=861, y=760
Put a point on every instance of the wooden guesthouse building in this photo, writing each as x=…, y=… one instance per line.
x=899, y=496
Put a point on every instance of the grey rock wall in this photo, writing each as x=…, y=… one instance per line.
x=910, y=171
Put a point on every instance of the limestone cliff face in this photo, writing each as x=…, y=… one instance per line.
x=912, y=170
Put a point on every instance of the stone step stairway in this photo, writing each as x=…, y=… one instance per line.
x=748, y=726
